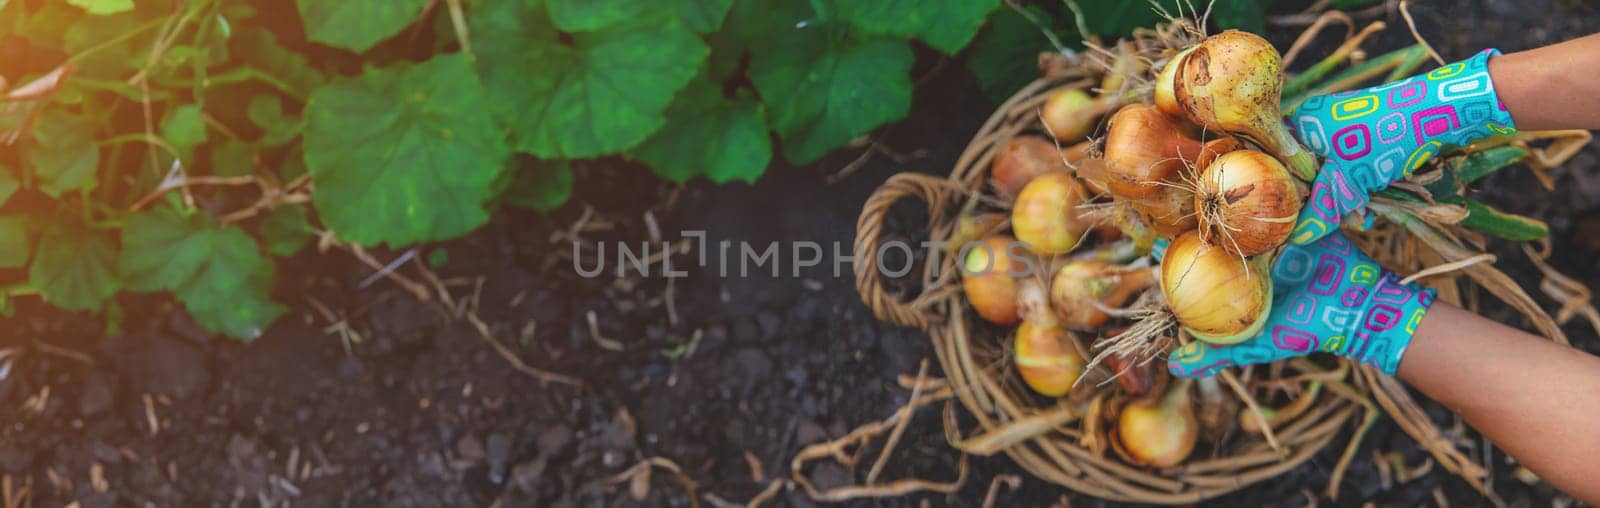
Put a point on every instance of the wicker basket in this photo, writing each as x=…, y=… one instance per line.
x=990, y=389
x=976, y=366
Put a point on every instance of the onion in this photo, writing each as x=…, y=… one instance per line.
x=1137, y=379
x=1246, y=202
x=1165, y=97
x=1158, y=433
x=1022, y=159
x=1046, y=354
x=1092, y=172
x=1144, y=149
x=1230, y=82
x=1170, y=211
x=1218, y=297
x=1082, y=287
x=1046, y=216
x=1069, y=113
x=1215, y=148
x=1047, y=358
x=1215, y=409
x=987, y=280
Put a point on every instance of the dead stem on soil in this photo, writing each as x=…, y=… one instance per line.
x=15, y=497
x=1312, y=31
x=511, y=357
x=327, y=239
x=1405, y=12
x=337, y=323
x=904, y=415
x=761, y=498
x=846, y=452
x=638, y=478
x=1011, y=482
x=1574, y=297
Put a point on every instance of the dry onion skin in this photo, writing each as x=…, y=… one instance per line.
x=1158, y=433
x=1022, y=159
x=1170, y=211
x=1166, y=99
x=1217, y=296
x=1046, y=216
x=1246, y=202
x=988, y=283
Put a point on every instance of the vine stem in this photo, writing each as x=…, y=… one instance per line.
x=188, y=181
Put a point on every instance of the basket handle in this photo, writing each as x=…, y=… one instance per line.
x=921, y=311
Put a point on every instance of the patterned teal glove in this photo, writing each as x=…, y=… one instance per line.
x=1375, y=136
x=1327, y=297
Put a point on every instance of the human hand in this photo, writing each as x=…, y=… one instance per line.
x=1374, y=136
x=1328, y=297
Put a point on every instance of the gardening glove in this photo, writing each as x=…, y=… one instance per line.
x=1371, y=137
x=1328, y=297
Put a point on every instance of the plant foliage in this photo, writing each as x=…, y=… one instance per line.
x=183, y=146
x=180, y=146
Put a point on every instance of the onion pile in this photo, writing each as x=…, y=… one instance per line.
x=1193, y=165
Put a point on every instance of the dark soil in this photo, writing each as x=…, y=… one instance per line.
x=420, y=411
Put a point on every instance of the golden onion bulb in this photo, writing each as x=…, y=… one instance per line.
x=1217, y=296
x=1046, y=216
x=1246, y=202
x=1158, y=433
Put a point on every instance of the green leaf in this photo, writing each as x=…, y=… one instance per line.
x=947, y=25
x=723, y=138
x=183, y=127
x=261, y=50
x=14, y=247
x=1247, y=15
x=356, y=25
x=243, y=315
x=1005, y=54
x=266, y=111
x=590, y=15
x=404, y=154
x=8, y=183
x=232, y=158
x=216, y=271
x=103, y=7
x=1118, y=18
x=704, y=16
x=63, y=155
x=823, y=88
x=1490, y=220
x=603, y=93
x=285, y=230
x=540, y=185
x=438, y=258
x=74, y=267
x=1485, y=162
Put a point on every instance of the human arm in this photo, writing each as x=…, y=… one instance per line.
x=1550, y=87
x=1374, y=136
x=1533, y=398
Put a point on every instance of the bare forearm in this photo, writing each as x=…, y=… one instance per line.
x=1535, y=399
x=1552, y=87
